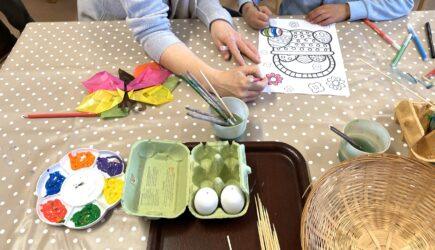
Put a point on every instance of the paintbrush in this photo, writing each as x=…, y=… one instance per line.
x=206, y=96
x=207, y=118
x=346, y=138
x=203, y=113
x=205, y=91
x=218, y=96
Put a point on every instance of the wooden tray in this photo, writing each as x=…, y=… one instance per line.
x=279, y=175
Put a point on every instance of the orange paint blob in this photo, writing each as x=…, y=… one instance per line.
x=81, y=160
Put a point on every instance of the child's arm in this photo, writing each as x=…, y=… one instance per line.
x=235, y=82
x=150, y=26
x=379, y=10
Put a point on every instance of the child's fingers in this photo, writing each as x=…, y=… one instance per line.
x=314, y=13
x=262, y=16
x=223, y=49
x=232, y=45
x=265, y=10
x=251, y=70
x=327, y=21
x=320, y=18
x=252, y=48
x=258, y=24
x=258, y=85
x=246, y=50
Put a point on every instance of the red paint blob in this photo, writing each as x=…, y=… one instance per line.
x=54, y=211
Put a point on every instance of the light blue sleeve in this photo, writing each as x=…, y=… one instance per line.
x=379, y=10
x=211, y=10
x=242, y=2
x=148, y=20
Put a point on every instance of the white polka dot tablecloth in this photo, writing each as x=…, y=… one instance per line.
x=44, y=74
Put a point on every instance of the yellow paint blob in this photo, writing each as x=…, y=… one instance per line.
x=112, y=191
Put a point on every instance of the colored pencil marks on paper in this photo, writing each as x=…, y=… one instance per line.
x=299, y=57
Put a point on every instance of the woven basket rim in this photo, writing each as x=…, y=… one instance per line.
x=340, y=166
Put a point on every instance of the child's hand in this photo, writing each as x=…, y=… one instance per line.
x=239, y=82
x=256, y=19
x=229, y=41
x=329, y=13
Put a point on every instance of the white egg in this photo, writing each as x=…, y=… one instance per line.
x=206, y=201
x=232, y=199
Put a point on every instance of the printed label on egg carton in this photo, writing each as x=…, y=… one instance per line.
x=77, y=191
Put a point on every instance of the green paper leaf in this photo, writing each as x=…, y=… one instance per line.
x=171, y=82
x=115, y=112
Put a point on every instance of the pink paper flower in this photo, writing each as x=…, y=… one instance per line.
x=103, y=80
x=274, y=79
x=148, y=78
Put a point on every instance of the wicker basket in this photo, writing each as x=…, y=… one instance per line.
x=372, y=202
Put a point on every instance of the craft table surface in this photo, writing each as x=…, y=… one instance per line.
x=44, y=73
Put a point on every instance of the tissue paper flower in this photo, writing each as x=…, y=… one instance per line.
x=108, y=92
x=156, y=95
x=103, y=80
x=148, y=75
x=100, y=101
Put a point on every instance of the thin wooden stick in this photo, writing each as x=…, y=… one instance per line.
x=403, y=86
x=266, y=231
x=218, y=96
x=275, y=237
x=229, y=243
x=59, y=115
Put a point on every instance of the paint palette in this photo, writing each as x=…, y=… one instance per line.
x=77, y=191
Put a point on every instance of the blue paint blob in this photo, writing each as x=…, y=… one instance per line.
x=54, y=183
x=111, y=165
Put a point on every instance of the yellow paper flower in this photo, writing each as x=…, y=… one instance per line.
x=156, y=95
x=100, y=101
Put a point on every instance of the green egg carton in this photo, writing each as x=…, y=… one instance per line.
x=163, y=176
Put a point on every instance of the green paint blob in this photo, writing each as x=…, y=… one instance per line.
x=86, y=216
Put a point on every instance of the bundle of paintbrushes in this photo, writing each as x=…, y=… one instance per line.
x=266, y=231
x=224, y=117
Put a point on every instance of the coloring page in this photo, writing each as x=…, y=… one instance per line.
x=299, y=57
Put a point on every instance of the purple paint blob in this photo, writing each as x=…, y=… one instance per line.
x=54, y=183
x=111, y=165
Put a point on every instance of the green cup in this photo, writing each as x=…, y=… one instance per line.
x=238, y=107
x=370, y=135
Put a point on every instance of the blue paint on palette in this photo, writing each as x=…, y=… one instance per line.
x=54, y=183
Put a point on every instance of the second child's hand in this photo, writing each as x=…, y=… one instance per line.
x=328, y=14
x=256, y=17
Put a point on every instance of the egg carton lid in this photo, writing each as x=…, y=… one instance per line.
x=158, y=180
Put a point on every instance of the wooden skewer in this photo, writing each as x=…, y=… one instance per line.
x=218, y=96
x=403, y=86
x=266, y=231
x=59, y=115
x=229, y=243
